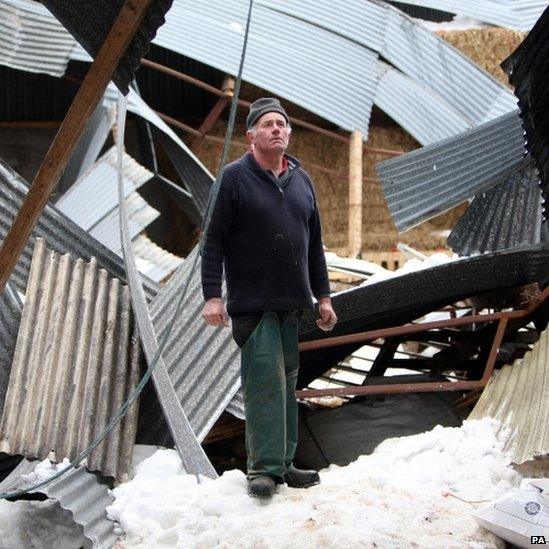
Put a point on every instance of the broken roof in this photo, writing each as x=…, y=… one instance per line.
x=404, y=298
x=517, y=397
x=89, y=22
x=503, y=217
x=424, y=183
x=528, y=67
x=75, y=363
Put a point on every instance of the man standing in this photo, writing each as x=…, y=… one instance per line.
x=265, y=231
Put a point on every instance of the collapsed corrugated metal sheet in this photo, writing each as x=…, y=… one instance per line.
x=94, y=195
x=86, y=495
x=421, y=111
x=75, y=363
x=407, y=45
x=301, y=68
x=528, y=67
x=10, y=317
x=504, y=217
x=57, y=229
x=518, y=398
x=89, y=146
x=513, y=14
x=203, y=362
x=429, y=181
x=194, y=175
x=140, y=215
x=152, y=260
x=405, y=298
x=89, y=22
x=32, y=40
x=441, y=77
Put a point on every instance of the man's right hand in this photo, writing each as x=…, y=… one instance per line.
x=214, y=313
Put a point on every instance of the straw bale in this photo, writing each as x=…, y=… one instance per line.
x=487, y=47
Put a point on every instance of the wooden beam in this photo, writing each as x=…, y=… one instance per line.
x=355, y=194
x=213, y=116
x=100, y=73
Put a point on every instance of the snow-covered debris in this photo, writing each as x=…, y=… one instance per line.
x=411, y=266
x=410, y=491
x=38, y=525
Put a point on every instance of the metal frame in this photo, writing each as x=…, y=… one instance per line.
x=502, y=319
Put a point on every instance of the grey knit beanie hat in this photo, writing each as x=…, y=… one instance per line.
x=263, y=106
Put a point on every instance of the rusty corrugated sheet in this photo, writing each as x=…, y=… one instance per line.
x=75, y=363
x=518, y=397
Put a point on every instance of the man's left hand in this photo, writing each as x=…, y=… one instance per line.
x=328, y=318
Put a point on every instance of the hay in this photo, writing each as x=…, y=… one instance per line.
x=486, y=47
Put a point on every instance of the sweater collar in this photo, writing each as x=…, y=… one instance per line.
x=292, y=163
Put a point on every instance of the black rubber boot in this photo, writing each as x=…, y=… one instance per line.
x=300, y=478
x=262, y=486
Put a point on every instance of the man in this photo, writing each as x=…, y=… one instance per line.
x=265, y=231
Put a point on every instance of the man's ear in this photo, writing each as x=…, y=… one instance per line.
x=250, y=136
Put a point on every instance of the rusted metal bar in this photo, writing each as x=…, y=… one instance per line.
x=99, y=74
x=472, y=397
x=502, y=325
x=421, y=327
x=295, y=121
x=433, y=386
x=213, y=116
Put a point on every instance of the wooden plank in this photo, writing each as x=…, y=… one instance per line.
x=56, y=159
x=355, y=194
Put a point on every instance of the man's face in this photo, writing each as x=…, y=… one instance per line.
x=270, y=134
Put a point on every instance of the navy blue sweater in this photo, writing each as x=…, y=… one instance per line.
x=266, y=233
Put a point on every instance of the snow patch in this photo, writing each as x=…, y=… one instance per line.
x=395, y=497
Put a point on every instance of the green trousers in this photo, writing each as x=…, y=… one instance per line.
x=270, y=362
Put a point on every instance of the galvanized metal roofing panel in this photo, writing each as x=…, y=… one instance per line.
x=57, y=229
x=424, y=183
x=406, y=44
x=528, y=67
x=33, y=40
x=194, y=175
x=153, y=260
x=86, y=495
x=202, y=362
x=301, y=67
x=513, y=14
x=90, y=21
x=418, y=109
x=518, y=398
x=140, y=215
x=10, y=317
x=504, y=217
x=95, y=195
x=75, y=363
x=89, y=146
x=426, y=58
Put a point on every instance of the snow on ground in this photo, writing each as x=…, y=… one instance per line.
x=395, y=497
